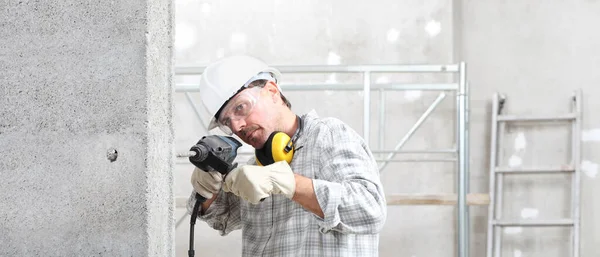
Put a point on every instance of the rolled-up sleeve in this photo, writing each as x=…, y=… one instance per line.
x=348, y=187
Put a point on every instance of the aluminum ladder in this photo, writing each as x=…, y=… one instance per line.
x=495, y=221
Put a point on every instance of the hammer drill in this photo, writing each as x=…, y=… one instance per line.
x=211, y=153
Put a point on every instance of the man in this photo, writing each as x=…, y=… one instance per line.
x=327, y=201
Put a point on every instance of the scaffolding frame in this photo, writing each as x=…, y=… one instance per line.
x=460, y=87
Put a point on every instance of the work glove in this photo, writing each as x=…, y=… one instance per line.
x=253, y=183
x=206, y=183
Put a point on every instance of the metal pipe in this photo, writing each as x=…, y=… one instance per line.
x=352, y=87
x=449, y=68
x=535, y=223
x=345, y=87
x=414, y=128
x=181, y=220
x=492, y=185
x=418, y=160
x=462, y=157
x=499, y=177
x=440, y=151
x=540, y=169
x=458, y=139
x=562, y=117
x=381, y=128
x=530, y=172
x=467, y=113
x=182, y=161
x=367, y=107
x=191, y=102
x=577, y=175
x=466, y=137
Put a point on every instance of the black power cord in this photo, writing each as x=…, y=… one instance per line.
x=199, y=200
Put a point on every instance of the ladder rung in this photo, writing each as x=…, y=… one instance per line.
x=535, y=170
x=569, y=116
x=436, y=199
x=534, y=223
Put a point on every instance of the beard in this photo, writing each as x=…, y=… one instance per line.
x=253, y=135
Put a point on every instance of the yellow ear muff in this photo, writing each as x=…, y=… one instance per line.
x=278, y=145
x=275, y=150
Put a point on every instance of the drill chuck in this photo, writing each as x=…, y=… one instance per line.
x=200, y=153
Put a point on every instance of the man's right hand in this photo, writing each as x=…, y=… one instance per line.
x=206, y=183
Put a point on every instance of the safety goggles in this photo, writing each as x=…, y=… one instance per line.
x=238, y=108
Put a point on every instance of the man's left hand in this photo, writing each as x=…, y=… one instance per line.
x=253, y=183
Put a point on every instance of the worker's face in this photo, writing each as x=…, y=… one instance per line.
x=252, y=114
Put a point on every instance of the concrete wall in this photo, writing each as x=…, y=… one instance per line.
x=78, y=79
x=519, y=49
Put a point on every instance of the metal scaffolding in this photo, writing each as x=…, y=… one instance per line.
x=461, y=152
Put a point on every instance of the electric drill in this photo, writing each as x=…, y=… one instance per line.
x=215, y=153
x=211, y=153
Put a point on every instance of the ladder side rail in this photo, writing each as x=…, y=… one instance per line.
x=492, y=180
x=576, y=162
x=499, y=179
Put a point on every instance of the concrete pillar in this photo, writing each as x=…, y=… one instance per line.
x=78, y=79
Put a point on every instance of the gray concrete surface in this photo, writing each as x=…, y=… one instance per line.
x=521, y=49
x=78, y=79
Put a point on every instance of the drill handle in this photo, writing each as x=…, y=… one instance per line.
x=199, y=201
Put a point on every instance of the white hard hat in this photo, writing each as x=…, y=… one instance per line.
x=223, y=78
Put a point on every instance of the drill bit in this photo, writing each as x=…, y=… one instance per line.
x=186, y=155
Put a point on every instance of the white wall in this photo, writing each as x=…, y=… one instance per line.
x=524, y=50
x=519, y=49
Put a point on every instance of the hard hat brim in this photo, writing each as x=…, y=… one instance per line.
x=213, y=124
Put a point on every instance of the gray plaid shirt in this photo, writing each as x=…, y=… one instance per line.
x=348, y=188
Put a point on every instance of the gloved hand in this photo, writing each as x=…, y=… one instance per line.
x=206, y=183
x=252, y=182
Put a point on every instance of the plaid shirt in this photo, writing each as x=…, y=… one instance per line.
x=348, y=189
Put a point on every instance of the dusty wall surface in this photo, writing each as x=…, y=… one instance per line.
x=78, y=79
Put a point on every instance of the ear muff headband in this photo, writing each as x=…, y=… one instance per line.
x=279, y=147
